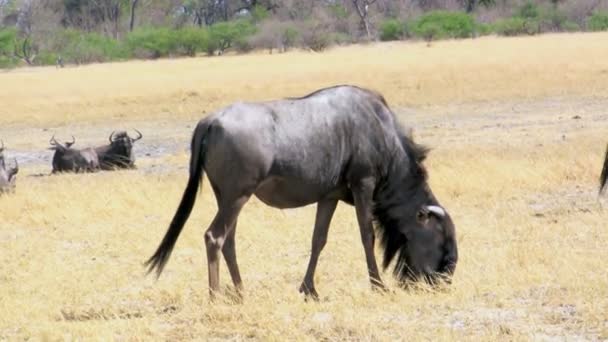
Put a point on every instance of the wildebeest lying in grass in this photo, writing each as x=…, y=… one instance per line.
x=68, y=159
x=337, y=144
x=7, y=176
x=119, y=153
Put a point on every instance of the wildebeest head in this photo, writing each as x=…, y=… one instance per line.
x=57, y=146
x=415, y=229
x=120, y=152
x=431, y=252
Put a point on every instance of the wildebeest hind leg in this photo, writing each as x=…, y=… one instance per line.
x=216, y=236
x=229, y=252
x=325, y=211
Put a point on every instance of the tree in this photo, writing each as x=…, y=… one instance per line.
x=471, y=5
x=132, y=16
x=362, y=7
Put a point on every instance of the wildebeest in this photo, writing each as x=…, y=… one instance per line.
x=68, y=159
x=119, y=153
x=341, y=143
x=7, y=176
x=604, y=175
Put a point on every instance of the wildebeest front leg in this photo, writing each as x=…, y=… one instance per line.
x=325, y=211
x=363, y=196
x=216, y=237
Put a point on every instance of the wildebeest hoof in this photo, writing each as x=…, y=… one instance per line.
x=309, y=292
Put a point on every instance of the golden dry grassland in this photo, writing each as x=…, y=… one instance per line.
x=517, y=128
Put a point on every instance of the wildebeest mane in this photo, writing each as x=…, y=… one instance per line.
x=398, y=197
x=318, y=91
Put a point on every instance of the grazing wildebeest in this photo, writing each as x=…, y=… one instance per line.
x=336, y=144
x=119, y=153
x=7, y=176
x=604, y=175
x=68, y=159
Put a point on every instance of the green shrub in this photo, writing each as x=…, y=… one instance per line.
x=529, y=10
x=598, y=21
x=442, y=25
x=391, y=29
x=224, y=35
x=483, y=29
x=191, y=40
x=516, y=26
x=570, y=26
x=46, y=58
x=259, y=13
x=7, y=41
x=152, y=42
x=80, y=47
x=289, y=37
x=553, y=19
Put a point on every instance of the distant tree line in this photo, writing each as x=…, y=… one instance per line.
x=47, y=32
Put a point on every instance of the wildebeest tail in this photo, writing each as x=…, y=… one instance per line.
x=604, y=174
x=198, y=149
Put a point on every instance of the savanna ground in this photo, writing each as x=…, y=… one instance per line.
x=517, y=129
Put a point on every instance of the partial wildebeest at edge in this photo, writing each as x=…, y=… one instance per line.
x=337, y=144
x=68, y=159
x=604, y=175
x=7, y=176
x=119, y=153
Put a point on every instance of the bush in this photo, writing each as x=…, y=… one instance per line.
x=391, y=29
x=570, y=26
x=483, y=29
x=598, y=21
x=152, y=42
x=79, y=47
x=272, y=34
x=516, y=26
x=442, y=25
x=314, y=36
x=528, y=10
x=7, y=41
x=224, y=35
x=553, y=19
x=191, y=40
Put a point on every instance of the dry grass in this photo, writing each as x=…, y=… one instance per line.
x=514, y=168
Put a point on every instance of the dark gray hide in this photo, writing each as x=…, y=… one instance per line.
x=7, y=176
x=337, y=144
x=119, y=153
x=604, y=174
x=68, y=159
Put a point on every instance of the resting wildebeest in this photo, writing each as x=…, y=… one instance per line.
x=604, y=175
x=119, y=153
x=336, y=144
x=68, y=159
x=7, y=176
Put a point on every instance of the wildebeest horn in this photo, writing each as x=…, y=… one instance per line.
x=140, y=135
x=73, y=140
x=2, y=147
x=437, y=210
x=52, y=141
x=111, y=135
